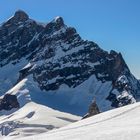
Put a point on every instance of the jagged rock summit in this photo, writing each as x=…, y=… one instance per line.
x=93, y=110
x=61, y=70
x=21, y=15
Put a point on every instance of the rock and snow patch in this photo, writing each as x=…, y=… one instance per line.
x=125, y=98
x=65, y=99
x=21, y=92
x=7, y=127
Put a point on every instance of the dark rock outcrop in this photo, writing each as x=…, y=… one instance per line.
x=9, y=102
x=21, y=16
x=93, y=110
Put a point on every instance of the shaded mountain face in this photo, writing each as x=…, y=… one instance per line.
x=55, y=55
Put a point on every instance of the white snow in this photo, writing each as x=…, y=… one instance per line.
x=56, y=18
x=93, y=64
x=33, y=119
x=118, y=124
x=57, y=33
x=127, y=95
x=27, y=66
x=34, y=37
x=53, y=80
x=42, y=24
x=123, y=79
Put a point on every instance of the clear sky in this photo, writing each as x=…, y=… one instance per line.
x=113, y=24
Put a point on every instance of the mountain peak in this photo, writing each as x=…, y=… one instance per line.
x=59, y=20
x=60, y=60
x=21, y=15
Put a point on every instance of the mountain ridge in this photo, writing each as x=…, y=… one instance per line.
x=59, y=60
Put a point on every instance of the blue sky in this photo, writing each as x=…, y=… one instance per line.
x=113, y=24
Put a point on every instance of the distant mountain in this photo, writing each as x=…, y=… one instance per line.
x=57, y=68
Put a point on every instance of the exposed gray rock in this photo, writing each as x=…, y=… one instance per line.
x=93, y=110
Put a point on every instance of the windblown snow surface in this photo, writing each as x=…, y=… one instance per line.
x=33, y=119
x=118, y=124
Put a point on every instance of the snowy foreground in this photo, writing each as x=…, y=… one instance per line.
x=118, y=124
x=32, y=119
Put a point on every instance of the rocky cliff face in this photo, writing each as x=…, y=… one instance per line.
x=56, y=55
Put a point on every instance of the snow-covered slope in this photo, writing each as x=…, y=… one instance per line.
x=118, y=124
x=73, y=100
x=32, y=119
